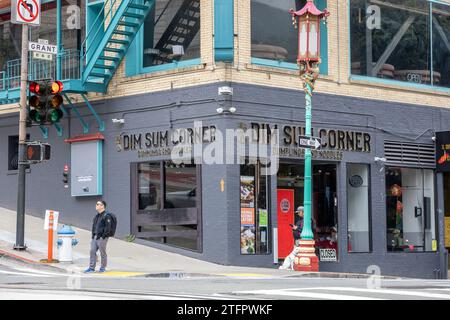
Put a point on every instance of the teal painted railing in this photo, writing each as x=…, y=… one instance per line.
x=40, y=69
x=2, y=80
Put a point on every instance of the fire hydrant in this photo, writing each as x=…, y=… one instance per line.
x=65, y=243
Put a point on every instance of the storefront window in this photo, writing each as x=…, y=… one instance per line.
x=410, y=207
x=358, y=189
x=149, y=186
x=168, y=211
x=391, y=40
x=325, y=211
x=171, y=32
x=181, y=182
x=254, y=210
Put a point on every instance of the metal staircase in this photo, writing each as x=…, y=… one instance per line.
x=181, y=31
x=104, y=48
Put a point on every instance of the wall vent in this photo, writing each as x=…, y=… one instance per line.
x=410, y=154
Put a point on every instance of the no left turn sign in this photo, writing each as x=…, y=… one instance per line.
x=26, y=11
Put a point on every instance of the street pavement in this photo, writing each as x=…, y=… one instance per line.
x=124, y=258
x=139, y=272
x=18, y=280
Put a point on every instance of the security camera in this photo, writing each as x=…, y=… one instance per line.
x=121, y=121
x=232, y=109
x=225, y=90
x=219, y=110
x=433, y=138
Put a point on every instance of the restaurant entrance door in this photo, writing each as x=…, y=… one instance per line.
x=290, y=185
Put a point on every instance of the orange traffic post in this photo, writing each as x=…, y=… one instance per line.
x=50, y=237
x=51, y=221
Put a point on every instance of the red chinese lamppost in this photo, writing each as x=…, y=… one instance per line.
x=308, y=22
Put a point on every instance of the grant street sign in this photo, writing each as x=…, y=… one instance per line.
x=42, y=56
x=43, y=48
x=309, y=142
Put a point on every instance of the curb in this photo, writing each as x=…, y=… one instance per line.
x=337, y=275
x=13, y=256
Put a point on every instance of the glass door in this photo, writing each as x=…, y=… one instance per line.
x=325, y=211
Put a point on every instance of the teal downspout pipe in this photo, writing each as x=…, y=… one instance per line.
x=307, y=233
x=58, y=39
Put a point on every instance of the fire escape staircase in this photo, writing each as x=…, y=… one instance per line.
x=181, y=31
x=105, y=48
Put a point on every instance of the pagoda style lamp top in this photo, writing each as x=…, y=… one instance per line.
x=308, y=21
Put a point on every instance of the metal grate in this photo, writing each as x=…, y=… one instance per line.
x=410, y=154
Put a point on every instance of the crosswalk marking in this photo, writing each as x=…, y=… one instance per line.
x=24, y=274
x=388, y=291
x=307, y=294
x=345, y=293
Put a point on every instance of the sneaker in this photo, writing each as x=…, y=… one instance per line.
x=102, y=270
x=89, y=270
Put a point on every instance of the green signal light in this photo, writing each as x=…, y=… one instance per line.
x=36, y=116
x=54, y=115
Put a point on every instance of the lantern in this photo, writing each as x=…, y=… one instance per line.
x=308, y=25
x=396, y=190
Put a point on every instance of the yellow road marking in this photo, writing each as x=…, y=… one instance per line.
x=120, y=274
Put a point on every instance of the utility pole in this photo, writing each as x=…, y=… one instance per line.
x=20, y=226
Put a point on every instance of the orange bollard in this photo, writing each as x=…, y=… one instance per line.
x=51, y=223
x=50, y=237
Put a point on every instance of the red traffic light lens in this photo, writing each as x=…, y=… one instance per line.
x=57, y=87
x=35, y=87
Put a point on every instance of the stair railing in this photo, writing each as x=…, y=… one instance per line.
x=85, y=49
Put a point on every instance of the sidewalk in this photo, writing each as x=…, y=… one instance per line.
x=125, y=258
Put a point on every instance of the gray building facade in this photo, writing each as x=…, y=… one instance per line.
x=387, y=145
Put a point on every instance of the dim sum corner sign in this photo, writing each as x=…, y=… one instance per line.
x=165, y=142
x=333, y=142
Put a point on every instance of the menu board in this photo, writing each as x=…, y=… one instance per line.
x=247, y=214
x=247, y=192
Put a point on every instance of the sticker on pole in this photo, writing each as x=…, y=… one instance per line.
x=26, y=12
x=51, y=220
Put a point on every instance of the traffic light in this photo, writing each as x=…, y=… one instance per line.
x=66, y=175
x=45, y=102
x=37, y=152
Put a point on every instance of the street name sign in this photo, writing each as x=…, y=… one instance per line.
x=42, y=56
x=309, y=142
x=26, y=12
x=42, y=47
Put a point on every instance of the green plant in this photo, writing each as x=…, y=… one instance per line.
x=130, y=238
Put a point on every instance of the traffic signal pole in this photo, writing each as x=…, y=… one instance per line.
x=20, y=226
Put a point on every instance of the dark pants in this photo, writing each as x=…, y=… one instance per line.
x=96, y=245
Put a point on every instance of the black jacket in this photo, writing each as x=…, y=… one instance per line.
x=104, y=228
x=297, y=233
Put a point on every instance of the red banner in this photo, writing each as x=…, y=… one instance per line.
x=285, y=217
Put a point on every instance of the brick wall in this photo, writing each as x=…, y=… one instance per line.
x=242, y=71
